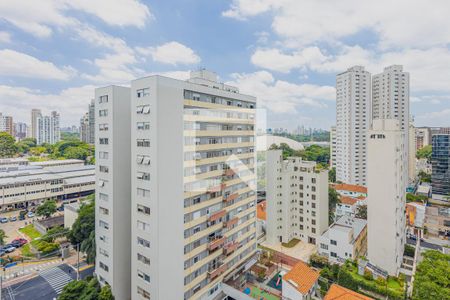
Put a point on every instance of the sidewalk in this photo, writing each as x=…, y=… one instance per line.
x=28, y=268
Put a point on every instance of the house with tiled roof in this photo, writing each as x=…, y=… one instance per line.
x=300, y=283
x=349, y=205
x=337, y=292
x=350, y=190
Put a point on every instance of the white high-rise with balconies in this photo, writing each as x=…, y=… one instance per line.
x=386, y=194
x=390, y=100
x=353, y=117
x=47, y=128
x=112, y=195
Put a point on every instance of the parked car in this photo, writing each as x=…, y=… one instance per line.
x=3, y=220
x=61, y=208
x=30, y=214
x=9, y=248
x=19, y=242
x=13, y=219
x=2, y=252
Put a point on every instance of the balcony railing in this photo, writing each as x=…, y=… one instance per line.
x=230, y=248
x=230, y=223
x=217, y=215
x=216, y=188
x=216, y=270
x=230, y=197
x=228, y=172
x=216, y=243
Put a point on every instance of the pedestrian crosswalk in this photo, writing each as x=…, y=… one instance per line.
x=23, y=270
x=56, y=278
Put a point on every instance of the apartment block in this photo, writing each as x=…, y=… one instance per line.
x=353, y=117
x=440, y=160
x=113, y=194
x=35, y=113
x=47, y=128
x=387, y=196
x=345, y=239
x=7, y=124
x=87, y=125
x=423, y=137
x=333, y=147
x=297, y=199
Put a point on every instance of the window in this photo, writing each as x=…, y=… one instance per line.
x=143, y=159
x=143, y=259
x=143, y=209
x=101, y=182
x=143, y=125
x=144, y=276
x=103, y=252
x=104, y=267
x=102, y=112
x=143, y=175
x=103, y=155
x=103, y=197
x=104, y=211
x=143, y=226
x=143, y=143
x=103, y=224
x=103, y=141
x=103, y=99
x=333, y=242
x=143, y=109
x=143, y=293
x=103, y=169
x=333, y=254
x=324, y=246
x=143, y=92
x=143, y=242
x=143, y=192
x=103, y=127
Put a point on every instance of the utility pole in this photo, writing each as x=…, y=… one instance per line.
x=78, y=261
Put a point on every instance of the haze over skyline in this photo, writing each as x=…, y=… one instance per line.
x=287, y=53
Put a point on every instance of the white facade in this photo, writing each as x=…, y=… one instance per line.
x=333, y=147
x=390, y=91
x=297, y=199
x=35, y=113
x=47, y=129
x=386, y=195
x=112, y=204
x=345, y=239
x=353, y=117
x=412, y=162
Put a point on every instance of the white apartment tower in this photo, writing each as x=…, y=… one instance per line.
x=112, y=196
x=353, y=117
x=386, y=194
x=332, y=147
x=297, y=199
x=390, y=100
x=35, y=113
x=47, y=128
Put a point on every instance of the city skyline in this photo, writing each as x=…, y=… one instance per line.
x=264, y=49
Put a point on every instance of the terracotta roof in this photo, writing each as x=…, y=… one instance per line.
x=261, y=210
x=301, y=277
x=337, y=292
x=349, y=200
x=351, y=187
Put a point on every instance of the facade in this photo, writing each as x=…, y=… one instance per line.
x=21, y=130
x=71, y=214
x=390, y=100
x=297, y=199
x=87, y=125
x=412, y=162
x=437, y=220
x=345, y=239
x=440, y=160
x=423, y=137
x=47, y=130
x=300, y=283
x=415, y=214
x=113, y=194
x=387, y=195
x=35, y=113
x=25, y=186
x=84, y=128
x=350, y=190
x=349, y=206
x=7, y=124
x=333, y=146
x=353, y=117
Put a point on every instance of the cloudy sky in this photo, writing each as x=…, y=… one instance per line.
x=53, y=53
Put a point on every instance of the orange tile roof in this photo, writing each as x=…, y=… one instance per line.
x=349, y=200
x=261, y=210
x=337, y=292
x=351, y=187
x=302, y=276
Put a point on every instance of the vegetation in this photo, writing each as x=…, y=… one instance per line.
x=88, y=247
x=54, y=233
x=2, y=237
x=361, y=212
x=332, y=175
x=316, y=153
x=291, y=243
x=316, y=137
x=70, y=136
x=333, y=200
x=424, y=177
x=432, y=279
x=424, y=152
x=83, y=229
x=415, y=198
x=30, y=231
x=47, y=208
x=87, y=289
x=8, y=147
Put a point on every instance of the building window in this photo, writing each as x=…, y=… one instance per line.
x=104, y=211
x=103, y=127
x=103, y=155
x=143, y=125
x=103, y=141
x=102, y=183
x=103, y=99
x=143, y=226
x=103, y=224
x=143, y=259
x=103, y=197
x=104, y=266
x=143, y=159
x=103, y=169
x=333, y=254
x=143, y=109
x=143, y=293
x=103, y=252
x=324, y=246
x=144, y=276
x=143, y=242
x=333, y=242
x=143, y=176
x=143, y=192
x=102, y=112
x=143, y=92
x=143, y=143
x=143, y=209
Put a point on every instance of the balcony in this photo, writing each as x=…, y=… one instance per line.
x=216, y=270
x=217, y=215
x=216, y=188
x=228, y=172
x=230, y=197
x=230, y=248
x=230, y=223
x=216, y=243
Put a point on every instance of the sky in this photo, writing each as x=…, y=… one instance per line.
x=54, y=53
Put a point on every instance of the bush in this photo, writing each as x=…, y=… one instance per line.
x=368, y=275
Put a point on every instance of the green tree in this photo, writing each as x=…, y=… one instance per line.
x=424, y=152
x=88, y=247
x=73, y=290
x=8, y=147
x=432, y=279
x=333, y=199
x=424, y=177
x=2, y=237
x=106, y=293
x=37, y=151
x=76, y=153
x=361, y=212
x=47, y=208
x=84, y=224
x=54, y=233
x=332, y=175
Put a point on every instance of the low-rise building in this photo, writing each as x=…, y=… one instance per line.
x=71, y=214
x=415, y=214
x=337, y=292
x=437, y=220
x=350, y=190
x=300, y=283
x=349, y=206
x=345, y=239
x=297, y=199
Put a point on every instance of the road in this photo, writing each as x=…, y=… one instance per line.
x=46, y=286
x=424, y=244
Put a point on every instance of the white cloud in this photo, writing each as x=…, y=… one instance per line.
x=71, y=103
x=172, y=53
x=5, y=37
x=241, y=9
x=18, y=64
x=438, y=118
x=281, y=96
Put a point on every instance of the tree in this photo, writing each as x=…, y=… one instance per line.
x=76, y=153
x=84, y=224
x=47, y=208
x=424, y=152
x=85, y=289
x=361, y=212
x=54, y=233
x=424, y=177
x=332, y=175
x=8, y=147
x=106, y=293
x=88, y=247
x=432, y=278
x=2, y=237
x=333, y=200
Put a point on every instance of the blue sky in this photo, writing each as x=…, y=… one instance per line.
x=286, y=52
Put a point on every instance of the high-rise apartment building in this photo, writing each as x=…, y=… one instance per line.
x=87, y=125
x=297, y=199
x=48, y=130
x=84, y=128
x=21, y=130
x=412, y=174
x=386, y=194
x=7, y=124
x=113, y=194
x=333, y=147
x=390, y=100
x=193, y=198
x=440, y=160
x=353, y=117
x=423, y=137
x=35, y=113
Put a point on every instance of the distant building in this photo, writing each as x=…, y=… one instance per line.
x=440, y=160
x=21, y=130
x=300, y=283
x=350, y=190
x=84, y=128
x=333, y=146
x=337, y=292
x=415, y=214
x=387, y=178
x=6, y=124
x=345, y=239
x=48, y=130
x=297, y=199
x=70, y=214
x=87, y=125
x=437, y=220
x=35, y=114
x=261, y=217
x=423, y=137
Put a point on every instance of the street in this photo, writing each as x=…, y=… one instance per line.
x=424, y=244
